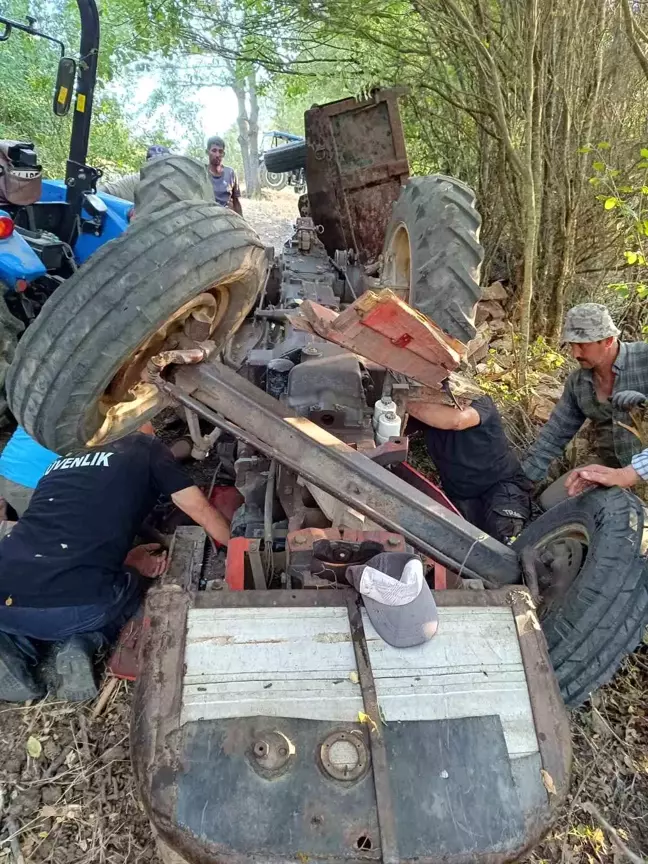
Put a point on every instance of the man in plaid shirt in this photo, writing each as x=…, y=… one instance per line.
x=612, y=380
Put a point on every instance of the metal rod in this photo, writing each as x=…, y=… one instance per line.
x=10, y=25
x=236, y=405
x=380, y=763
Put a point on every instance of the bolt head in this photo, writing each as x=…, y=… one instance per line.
x=393, y=541
x=299, y=540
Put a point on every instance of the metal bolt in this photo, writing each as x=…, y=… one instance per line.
x=299, y=540
x=260, y=749
x=393, y=541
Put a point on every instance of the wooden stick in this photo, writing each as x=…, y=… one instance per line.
x=14, y=829
x=106, y=692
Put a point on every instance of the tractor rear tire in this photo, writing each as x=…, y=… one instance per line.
x=170, y=179
x=432, y=255
x=108, y=312
x=597, y=615
x=288, y=157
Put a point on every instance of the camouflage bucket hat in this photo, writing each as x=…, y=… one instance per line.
x=588, y=322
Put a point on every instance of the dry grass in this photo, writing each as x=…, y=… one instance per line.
x=77, y=803
x=608, y=803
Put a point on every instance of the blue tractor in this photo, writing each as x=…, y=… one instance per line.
x=48, y=228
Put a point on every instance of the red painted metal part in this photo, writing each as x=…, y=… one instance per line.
x=227, y=500
x=382, y=328
x=440, y=577
x=419, y=481
x=237, y=549
x=306, y=537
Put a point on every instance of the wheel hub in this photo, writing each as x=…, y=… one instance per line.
x=397, y=268
x=129, y=395
x=558, y=561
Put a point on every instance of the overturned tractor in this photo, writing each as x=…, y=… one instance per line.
x=271, y=722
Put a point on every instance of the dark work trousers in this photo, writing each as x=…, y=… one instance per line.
x=502, y=510
x=98, y=623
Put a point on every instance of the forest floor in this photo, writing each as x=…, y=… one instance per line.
x=67, y=793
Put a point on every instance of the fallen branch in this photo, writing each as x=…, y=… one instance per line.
x=593, y=810
x=106, y=692
x=14, y=830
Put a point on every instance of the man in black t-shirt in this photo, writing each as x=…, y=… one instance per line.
x=67, y=571
x=479, y=471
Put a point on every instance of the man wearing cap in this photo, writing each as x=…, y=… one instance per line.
x=224, y=180
x=611, y=381
x=124, y=187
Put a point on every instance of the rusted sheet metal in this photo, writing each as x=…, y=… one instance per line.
x=383, y=328
x=202, y=782
x=549, y=714
x=356, y=164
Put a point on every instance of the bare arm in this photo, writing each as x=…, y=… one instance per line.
x=444, y=416
x=192, y=502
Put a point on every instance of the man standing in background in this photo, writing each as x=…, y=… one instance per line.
x=224, y=180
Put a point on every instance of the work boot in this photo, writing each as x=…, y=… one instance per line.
x=17, y=683
x=74, y=669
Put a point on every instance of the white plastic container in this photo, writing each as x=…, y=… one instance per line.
x=382, y=406
x=389, y=426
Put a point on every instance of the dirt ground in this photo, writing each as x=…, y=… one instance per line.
x=67, y=794
x=272, y=216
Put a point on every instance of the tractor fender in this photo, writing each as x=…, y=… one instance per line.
x=115, y=222
x=18, y=260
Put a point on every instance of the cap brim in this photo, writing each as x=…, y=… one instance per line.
x=408, y=625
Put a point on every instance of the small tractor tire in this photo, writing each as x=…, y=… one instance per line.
x=595, y=606
x=170, y=179
x=432, y=255
x=288, y=157
x=77, y=374
x=272, y=179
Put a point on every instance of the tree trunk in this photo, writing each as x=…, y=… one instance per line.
x=252, y=181
x=243, y=123
x=529, y=192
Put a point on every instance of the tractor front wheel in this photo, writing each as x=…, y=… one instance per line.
x=78, y=376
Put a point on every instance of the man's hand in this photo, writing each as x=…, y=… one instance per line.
x=625, y=400
x=145, y=561
x=192, y=502
x=600, y=475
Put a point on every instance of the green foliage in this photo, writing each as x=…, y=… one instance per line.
x=28, y=73
x=503, y=384
x=624, y=195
